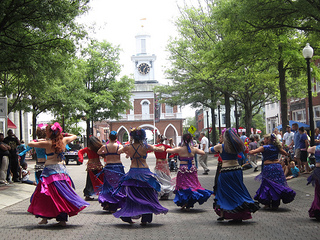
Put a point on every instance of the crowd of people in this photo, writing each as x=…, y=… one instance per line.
x=137, y=193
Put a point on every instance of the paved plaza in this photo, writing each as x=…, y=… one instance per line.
x=290, y=222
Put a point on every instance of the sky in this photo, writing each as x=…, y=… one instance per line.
x=118, y=22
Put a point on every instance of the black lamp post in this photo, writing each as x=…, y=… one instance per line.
x=307, y=54
x=236, y=115
x=218, y=104
x=208, y=124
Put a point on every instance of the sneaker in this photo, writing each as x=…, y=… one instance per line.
x=256, y=169
x=205, y=173
x=87, y=198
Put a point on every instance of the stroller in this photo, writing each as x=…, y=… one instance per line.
x=173, y=163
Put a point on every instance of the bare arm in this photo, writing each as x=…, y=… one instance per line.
x=199, y=151
x=258, y=150
x=41, y=144
x=156, y=149
x=102, y=150
x=312, y=149
x=68, y=138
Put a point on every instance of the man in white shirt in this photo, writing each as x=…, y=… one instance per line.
x=204, y=158
x=288, y=138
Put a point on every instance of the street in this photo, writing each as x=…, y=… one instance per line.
x=290, y=222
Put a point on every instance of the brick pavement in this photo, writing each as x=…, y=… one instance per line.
x=291, y=221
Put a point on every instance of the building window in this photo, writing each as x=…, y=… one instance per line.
x=299, y=115
x=169, y=109
x=223, y=118
x=316, y=111
x=145, y=108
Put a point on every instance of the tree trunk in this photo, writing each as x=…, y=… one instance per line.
x=88, y=130
x=248, y=119
x=227, y=108
x=283, y=95
x=214, y=129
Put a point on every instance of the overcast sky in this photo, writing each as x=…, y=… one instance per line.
x=119, y=22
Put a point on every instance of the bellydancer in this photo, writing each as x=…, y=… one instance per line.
x=314, y=178
x=54, y=196
x=162, y=170
x=112, y=173
x=274, y=185
x=188, y=189
x=94, y=167
x=140, y=184
x=232, y=199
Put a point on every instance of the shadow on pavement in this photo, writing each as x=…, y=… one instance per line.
x=49, y=226
x=191, y=211
x=136, y=225
x=18, y=213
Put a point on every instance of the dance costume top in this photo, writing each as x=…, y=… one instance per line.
x=139, y=155
x=114, y=153
x=94, y=161
x=317, y=154
x=270, y=152
x=228, y=156
x=41, y=152
x=189, y=159
x=161, y=155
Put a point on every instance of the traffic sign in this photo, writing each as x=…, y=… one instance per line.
x=192, y=129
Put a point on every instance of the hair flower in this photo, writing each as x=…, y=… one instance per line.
x=56, y=128
x=42, y=126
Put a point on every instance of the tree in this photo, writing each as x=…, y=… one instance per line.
x=105, y=96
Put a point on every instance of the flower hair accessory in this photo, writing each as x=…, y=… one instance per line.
x=56, y=128
x=113, y=133
x=42, y=126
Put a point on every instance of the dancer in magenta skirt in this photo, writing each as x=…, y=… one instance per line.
x=188, y=189
x=140, y=184
x=54, y=196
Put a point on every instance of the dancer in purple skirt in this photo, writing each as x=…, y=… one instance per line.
x=314, y=178
x=140, y=184
x=112, y=173
x=274, y=185
x=188, y=188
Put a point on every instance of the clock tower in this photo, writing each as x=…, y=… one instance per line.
x=143, y=61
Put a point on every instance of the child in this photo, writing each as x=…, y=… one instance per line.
x=26, y=174
x=294, y=170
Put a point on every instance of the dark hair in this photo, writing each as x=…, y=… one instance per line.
x=162, y=138
x=138, y=134
x=301, y=129
x=113, y=135
x=24, y=164
x=94, y=143
x=232, y=142
x=252, y=139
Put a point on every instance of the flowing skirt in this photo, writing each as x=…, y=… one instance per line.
x=274, y=187
x=54, y=196
x=232, y=196
x=112, y=173
x=93, y=183
x=188, y=189
x=141, y=189
x=314, y=178
x=163, y=175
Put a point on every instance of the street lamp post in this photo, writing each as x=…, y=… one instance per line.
x=307, y=54
x=236, y=115
x=218, y=104
x=208, y=124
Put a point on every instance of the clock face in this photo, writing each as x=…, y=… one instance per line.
x=143, y=68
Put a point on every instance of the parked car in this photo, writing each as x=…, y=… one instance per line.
x=72, y=154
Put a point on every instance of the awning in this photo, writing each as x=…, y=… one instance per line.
x=11, y=124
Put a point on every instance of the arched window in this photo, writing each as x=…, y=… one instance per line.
x=145, y=110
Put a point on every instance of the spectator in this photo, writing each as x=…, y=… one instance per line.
x=20, y=149
x=4, y=160
x=294, y=170
x=304, y=144
x=26, y=174
x=243, y=137
x=278, y=134
x=13, y=142
x=204, y=158
x=253, y=157
x=296, y=140
x=288, y=139
x=316, y=136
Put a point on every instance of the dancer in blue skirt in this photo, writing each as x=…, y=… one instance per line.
x=232, y=199
x=274, y=185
